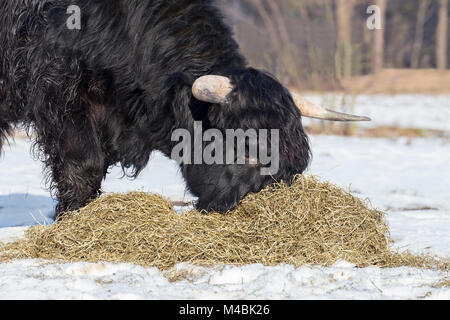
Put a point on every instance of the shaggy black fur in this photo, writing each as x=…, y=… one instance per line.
x=115, y=90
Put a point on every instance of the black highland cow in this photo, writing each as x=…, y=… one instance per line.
x=115, y=90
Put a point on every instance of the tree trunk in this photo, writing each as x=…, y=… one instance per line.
x=378, y=43
x=418, y=38
x=344, y=49
x=441, y=43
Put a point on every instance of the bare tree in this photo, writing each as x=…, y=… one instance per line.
x=268, y=22
x=442, y=32
x=344, y=51
x=286, y=59
x=288, y=50
x=418, y=38
x=378, y=42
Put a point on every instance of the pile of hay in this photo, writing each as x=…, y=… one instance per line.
x=309, y=222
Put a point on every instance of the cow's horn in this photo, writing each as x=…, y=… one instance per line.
x=308, y=109
x=215, y=89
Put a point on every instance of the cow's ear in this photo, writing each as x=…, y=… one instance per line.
x=177, y=97
x=96, y=96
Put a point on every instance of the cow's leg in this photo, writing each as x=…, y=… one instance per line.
x=68, y=113
x=76, y=166
x=6, y=130
x=78, y=175
x=7, y=117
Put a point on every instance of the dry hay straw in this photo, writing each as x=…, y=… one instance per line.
x=442, y=284
x=310, y=222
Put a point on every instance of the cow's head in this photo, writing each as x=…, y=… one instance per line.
x=251, y=100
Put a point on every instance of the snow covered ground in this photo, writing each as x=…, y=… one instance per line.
x=409, y=179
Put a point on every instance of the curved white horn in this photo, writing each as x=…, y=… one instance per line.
x=215, y=89
x=308, y=109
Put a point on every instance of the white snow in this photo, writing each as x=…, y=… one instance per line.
x=36, y=280
x=409, y=179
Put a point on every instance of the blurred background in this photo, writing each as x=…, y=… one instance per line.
x=324, y=45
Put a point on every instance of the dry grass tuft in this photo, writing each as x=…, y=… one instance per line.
x=442, y=284
x=309, y=222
